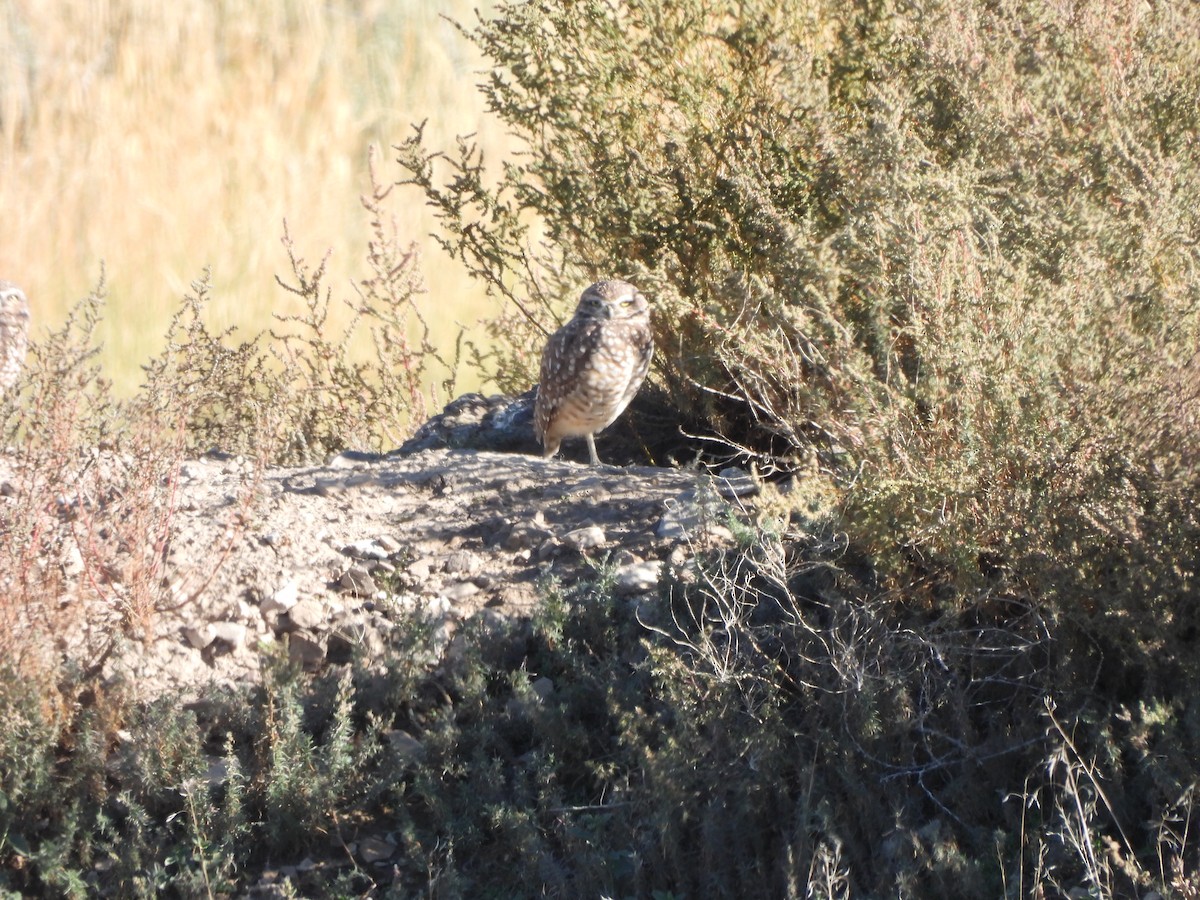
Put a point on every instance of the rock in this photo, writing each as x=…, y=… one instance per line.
x=199, y=636
x=736, y=483
x=282, y=600
x=420, y=569
x=351, y=637
x=358, y=581
x=373, y=850
x=389, y=544
x=243, y=573
x=405, y=745
x=462, y=562
x=675, y=524
x=525, y=536
x=482, y=423
x=72, y=565
x=218, y=771
x=585, y=538
x=232, y=633
x=192, y=470
x=273, y=539
x=638, y=577
x=308, y=651
x=308, y=613
x=543, y=687
x=369, y=549
x=456, y=593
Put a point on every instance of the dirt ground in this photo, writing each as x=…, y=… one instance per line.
x=330, y=559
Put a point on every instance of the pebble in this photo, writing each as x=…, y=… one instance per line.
x=232, y=633
x=734, y=482
x=462, y=562
x=72, y=562
x=368, y=549
x=199, y=636
x=282, y=600
x=585, y=538
x=307, y=651
x=404, y=744
x=358, y=581
x=461, y=591
x=543, y=687
x=389, y=543
x=373, y=850
x=307, y=613
x=638, y=577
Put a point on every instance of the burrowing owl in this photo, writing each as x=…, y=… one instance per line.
x=593, y=365
x=14, y=332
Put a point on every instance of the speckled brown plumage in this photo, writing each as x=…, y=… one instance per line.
x=593, y=366
x=14, y=332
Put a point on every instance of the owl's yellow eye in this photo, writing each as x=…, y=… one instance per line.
x=627, y=302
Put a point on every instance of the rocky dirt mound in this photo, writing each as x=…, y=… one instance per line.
x=329, y=560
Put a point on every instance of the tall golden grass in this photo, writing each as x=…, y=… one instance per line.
x=159, y=139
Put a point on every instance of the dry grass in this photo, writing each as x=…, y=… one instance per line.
x=163, y=138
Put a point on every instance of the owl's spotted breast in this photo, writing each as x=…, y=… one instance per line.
x=593, y=366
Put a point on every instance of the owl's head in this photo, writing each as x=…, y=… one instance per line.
x=612, y=300
x=12, y=301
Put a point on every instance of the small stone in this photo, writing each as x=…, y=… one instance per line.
x=368, y=549
x=218, y=771
x=421, y=568
x=462, y=562
x=404, y=744
x=305, y=650
x=307, y=613
x=282, y=600
x=389, y=543
x=442, y=634
x=232, y=633
x=550, y=547
x=543, y=687
x=358, y=581
x=678, y=521
x=624, y=557
x=273, y=539
x=199, y=636
x=72, y=561
x=373, y=850
x=351, y=637
x=344, y=461
x=525, y=536
x=720, y=534
x=734, y=482
x=192, y=470
x=586, y=538
x=636, y=578
x=456, y=593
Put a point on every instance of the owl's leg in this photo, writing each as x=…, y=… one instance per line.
x=591, y=439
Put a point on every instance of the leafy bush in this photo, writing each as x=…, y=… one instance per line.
x=948, y=247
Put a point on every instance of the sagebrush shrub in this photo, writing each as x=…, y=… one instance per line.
x=947, y=246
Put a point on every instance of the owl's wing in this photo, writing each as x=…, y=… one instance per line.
x=561, y=361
